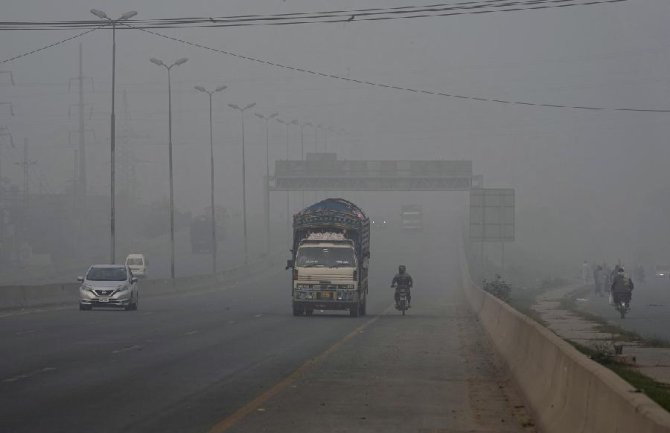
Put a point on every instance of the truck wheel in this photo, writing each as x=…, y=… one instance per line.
x=297, y=311
x=309, y=311
x=364, y=307
x=354, y=310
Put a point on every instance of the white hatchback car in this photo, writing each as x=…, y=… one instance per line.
x=137, y=264
x=108, y=286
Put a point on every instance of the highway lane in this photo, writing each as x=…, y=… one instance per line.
x=190, y=362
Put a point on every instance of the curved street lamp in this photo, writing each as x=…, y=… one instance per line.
x=266, y=201
x=169, y=69
x=244, y=180
x=103, y=16
x=211, y=172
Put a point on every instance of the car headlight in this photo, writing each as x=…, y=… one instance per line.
x=122, y=288
x=86, y=288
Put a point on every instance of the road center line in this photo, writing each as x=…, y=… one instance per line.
x=237, y=416
x=28, y=375
x=128, y=348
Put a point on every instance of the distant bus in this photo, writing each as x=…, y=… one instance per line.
x=411, y=217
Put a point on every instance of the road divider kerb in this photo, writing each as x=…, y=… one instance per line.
x=566, y=391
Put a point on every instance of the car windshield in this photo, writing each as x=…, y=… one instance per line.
x=134, y=261
x=325, y=257
x=107, y=274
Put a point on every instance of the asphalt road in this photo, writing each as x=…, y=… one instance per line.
x=235, y=359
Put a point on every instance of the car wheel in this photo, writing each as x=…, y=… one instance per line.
x=137, y=301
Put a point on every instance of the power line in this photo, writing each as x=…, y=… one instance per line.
x=78, y=35
x=398, y=88
x=325, y=17
x=340, y=16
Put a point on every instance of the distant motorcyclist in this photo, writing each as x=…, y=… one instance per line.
x=402, y=280
x=622, y=287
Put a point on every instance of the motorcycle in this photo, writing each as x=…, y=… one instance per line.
x=403, y=300
x=622, y=305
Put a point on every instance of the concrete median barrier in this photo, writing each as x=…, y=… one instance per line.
x=44, y=295
x=566, y=391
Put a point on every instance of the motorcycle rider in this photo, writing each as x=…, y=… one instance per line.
x=402, y=279
x=622, y=287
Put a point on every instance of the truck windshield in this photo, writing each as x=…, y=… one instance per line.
x=325, y=257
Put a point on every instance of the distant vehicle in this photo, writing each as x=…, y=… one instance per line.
x=108, y=286
x=411, y=217
x=331, y=248
x=137, y=264
x=662, y=271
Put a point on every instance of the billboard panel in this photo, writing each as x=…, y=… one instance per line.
x=492, y=215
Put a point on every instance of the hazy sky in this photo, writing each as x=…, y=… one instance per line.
x=600, y=172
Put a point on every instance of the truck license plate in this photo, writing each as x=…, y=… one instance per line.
x=326, y=295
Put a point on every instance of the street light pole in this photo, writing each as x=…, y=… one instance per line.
x=211, y=172
x=288, y=206
x=244, y=181
x=302, y=149
x=100, y=14
x=266, y=202
x=169, y=69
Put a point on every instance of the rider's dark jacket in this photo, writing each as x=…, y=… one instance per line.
x=402, y=280
x=622, y=284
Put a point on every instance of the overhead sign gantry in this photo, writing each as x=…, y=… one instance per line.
x=334, y=175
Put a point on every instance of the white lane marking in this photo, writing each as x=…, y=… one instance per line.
x=128, y=348
x=195, y=331
x=28, y=375
x=258, y=315
x=25, y=332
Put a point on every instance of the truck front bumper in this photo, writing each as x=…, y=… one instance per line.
x=322, y=305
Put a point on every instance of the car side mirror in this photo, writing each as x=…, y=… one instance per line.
x=289, y=264
x=133, y=280
x=80, y=279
